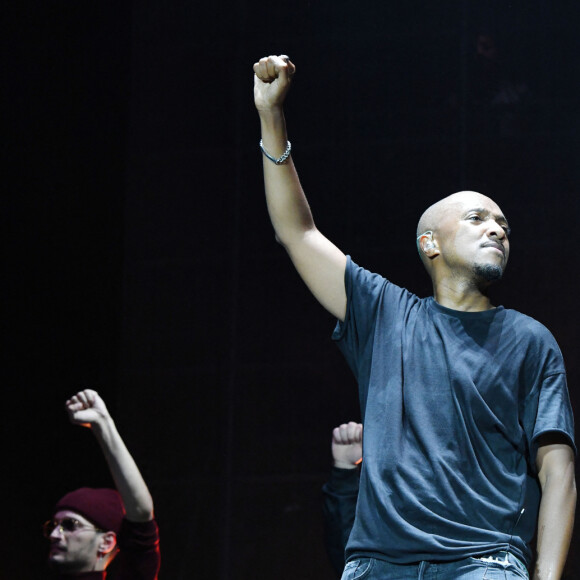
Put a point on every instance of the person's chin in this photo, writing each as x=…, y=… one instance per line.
x=56, y=558
x=489, y=272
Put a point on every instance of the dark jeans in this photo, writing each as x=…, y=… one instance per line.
x=498, y=566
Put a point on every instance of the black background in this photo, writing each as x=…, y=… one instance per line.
x=139, y=258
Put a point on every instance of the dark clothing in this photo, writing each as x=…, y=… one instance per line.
x=501, y=565
x=83, y=576
x=340, y=494
x=138, y=557
x=453, y=404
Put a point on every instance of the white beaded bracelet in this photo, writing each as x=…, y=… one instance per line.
x=282, y=159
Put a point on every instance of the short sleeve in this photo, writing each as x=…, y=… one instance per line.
x=554, y=414
x=364, y=292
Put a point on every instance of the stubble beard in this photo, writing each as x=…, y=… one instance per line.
x=488, y=272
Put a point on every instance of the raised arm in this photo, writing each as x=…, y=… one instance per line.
x=340, y=492
x=319, y=262
x=555, y=463
x=86, y=408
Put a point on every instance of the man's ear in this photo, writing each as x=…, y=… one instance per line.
x=428, y=244
x=108, y=542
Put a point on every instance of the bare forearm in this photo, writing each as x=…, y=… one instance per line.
x=287, y=204
x=128, y=479
x=555, y=524
x=318, y=261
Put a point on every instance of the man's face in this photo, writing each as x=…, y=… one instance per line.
x=473, y=237
x=74, y=548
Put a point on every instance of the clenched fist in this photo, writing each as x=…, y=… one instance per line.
x=272, y=78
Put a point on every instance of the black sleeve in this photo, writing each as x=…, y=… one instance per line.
x=139, y=557
x=340, y=493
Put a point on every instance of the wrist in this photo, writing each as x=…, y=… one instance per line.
x=344, y=464
x=271, y=112
x=103, y=425
x=273, y=124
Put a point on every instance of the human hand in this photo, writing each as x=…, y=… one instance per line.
x=272, y=78
x=87, y=408
x=347, y=445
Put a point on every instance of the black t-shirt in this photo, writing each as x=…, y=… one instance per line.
x=452, y=404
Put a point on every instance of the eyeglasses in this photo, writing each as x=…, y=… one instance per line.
x=66, y=525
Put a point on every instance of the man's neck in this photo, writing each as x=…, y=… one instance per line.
x=461, y=296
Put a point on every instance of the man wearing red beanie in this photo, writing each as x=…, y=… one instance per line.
x=91, y=526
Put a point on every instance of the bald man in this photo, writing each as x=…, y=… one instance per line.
x=469, y=447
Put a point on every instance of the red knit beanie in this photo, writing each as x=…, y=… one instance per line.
x=103, y=507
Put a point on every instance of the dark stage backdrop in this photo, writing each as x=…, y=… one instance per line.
x=139, y=258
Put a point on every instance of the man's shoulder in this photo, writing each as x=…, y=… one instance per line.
x=530, y=329
x=369, y=282
x=138, y=533
x=524, y=321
